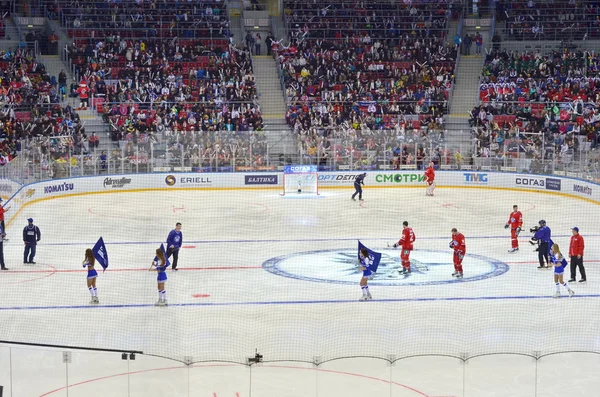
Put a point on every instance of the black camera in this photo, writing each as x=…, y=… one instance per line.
x=534, y=229
x=258, y=358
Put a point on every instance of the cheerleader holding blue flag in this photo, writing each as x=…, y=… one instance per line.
x=368, y=262
x=98, y=253
x=160, y=264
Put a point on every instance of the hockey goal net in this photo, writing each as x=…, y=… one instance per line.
x=300, y=179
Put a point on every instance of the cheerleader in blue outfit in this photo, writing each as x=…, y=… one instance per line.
x=159, y=264
x=559, y=263
x=364, y=264
x=92, y=274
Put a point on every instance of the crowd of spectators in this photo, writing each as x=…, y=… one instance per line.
x=542, y=106
x=362, y=77
x=550, y=20
x=24, y=81
x=362, y=83
x=363, y=147
x=200, y=102
x=338, y=19
x=144, y=19
x=44, y=135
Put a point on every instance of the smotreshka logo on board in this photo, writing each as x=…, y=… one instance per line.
x=399, y=178
x=170, y=180
x=338, y=266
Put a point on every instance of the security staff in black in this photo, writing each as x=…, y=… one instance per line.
x=360, y=180
x=31, y=236
x=2, y=238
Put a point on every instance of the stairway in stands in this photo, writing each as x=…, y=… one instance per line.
x=272, y=105
x=465, y=97
x=91, y=119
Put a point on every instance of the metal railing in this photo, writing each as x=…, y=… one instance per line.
x=222, y=151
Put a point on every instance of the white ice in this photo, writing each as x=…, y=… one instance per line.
x=223, y=304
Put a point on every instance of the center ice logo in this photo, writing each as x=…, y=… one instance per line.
x=339, y=267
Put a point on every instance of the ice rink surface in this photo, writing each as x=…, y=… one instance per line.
x=259, y=271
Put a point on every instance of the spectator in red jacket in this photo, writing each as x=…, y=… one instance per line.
x=576, y=253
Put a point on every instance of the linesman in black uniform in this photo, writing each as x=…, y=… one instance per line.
x=360, y=180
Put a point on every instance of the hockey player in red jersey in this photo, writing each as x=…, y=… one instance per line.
x=460, y=248
x=84, y=92
x=515, y=221
x=406, y=243
x=430, y=179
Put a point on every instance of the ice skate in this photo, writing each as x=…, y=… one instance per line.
x=455, y=274
x=582, y=280
x=513, y=249
x=363, y=298
x=369, y=297
x=361, y=200
x=556, y=295
x=459, y=275
x=571, y=293
x=96, y=300
x=352, y=198
x=165, y=303
x=158, y=303
x=92, y=301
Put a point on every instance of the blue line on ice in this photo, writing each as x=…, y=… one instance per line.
x=316, y=302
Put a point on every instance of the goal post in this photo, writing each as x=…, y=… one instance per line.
x=300, y=179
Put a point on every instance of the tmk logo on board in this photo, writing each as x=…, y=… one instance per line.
x=582, y=189
x=476, y=178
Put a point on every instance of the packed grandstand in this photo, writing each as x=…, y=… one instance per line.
x=365, y=84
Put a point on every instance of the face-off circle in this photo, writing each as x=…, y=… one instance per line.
x=338, y=266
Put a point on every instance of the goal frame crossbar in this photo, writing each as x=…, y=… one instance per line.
x=286, y=176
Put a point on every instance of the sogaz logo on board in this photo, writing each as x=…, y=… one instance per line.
x=338, y=266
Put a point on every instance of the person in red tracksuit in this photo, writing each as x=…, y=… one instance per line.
x=84, y=92
x=460, y=248
x=576, y=253
x=430, y=179
x=406, y=242
x=515, y=221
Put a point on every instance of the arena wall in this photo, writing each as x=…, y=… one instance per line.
x=25, y=195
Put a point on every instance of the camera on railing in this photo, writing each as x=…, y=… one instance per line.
x=258, y=358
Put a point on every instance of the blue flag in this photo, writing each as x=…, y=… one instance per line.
x=376, y=256
x=162, y=248
x=100, y=253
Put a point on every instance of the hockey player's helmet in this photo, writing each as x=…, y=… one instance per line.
x=542, y=222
